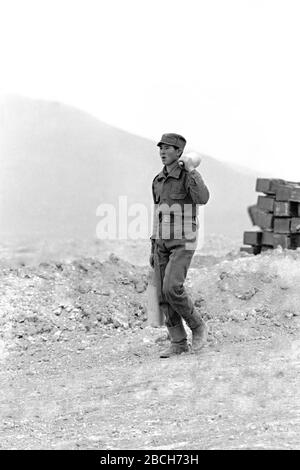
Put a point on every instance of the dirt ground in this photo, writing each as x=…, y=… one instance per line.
x=75, y=379
x=101, y=391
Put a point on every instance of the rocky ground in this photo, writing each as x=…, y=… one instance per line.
x=80, y=368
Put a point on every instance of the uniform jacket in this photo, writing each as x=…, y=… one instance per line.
x=176, y=196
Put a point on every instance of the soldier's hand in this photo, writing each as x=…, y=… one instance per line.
x=151, y=260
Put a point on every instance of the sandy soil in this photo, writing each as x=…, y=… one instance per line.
x=111, y=391
x=80, y=368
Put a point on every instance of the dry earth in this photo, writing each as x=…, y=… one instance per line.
x=80, y=368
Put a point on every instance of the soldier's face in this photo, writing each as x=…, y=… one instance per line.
x=168, y=154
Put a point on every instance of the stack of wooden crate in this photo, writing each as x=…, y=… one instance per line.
x=277, y=214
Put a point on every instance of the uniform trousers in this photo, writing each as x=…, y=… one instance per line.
x=172, y=259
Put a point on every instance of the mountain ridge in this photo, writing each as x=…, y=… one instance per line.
x=59, y=163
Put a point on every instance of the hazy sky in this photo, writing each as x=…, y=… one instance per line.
x=224, y=73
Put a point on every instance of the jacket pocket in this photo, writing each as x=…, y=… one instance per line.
x=178, y=195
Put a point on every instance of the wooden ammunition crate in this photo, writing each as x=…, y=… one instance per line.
x=286, y=209
x=260, y=218
x=252, y=250
x=295, y=224
x=281, y=240
x=267, y=238
x=267, y=185
x=266, y=203
x=282, y=225
x=252, y=238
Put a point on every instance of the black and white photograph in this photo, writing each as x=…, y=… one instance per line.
x=149, y=228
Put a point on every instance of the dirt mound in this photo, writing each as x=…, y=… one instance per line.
x=250, y=297
x=241, y=297
x=44, y=302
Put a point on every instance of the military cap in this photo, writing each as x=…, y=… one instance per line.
x=175, y=140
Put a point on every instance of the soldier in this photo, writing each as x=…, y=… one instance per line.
x=177, y=191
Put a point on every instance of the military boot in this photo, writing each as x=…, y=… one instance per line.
x=199, y=330
x=178, y=341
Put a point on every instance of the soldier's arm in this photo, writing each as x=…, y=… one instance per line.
x=196, y=187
